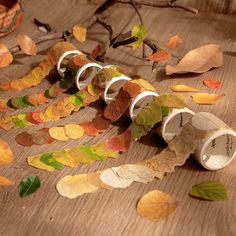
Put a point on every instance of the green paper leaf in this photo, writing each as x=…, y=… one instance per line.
x=164, y=111
x=87, y=150
x=20, y=121
x=18, y=102
x=29, y=185
x=139, y=32
x=209, y=190
x=48, y=159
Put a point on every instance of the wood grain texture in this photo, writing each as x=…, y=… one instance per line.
x=114, y=213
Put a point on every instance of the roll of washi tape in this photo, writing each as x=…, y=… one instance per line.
x=141, y=101
x=173, y=123
x=72, y=53
x=81, y=84
x=217, y=146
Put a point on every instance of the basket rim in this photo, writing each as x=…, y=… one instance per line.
x=11, y=10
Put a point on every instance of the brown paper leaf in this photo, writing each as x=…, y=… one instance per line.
x=184, y=88
x=26, y=44
x=198, y=60
x=174, y=42
x=80, y=33
x=155, y=205
x=6, y=57
x=207, y=98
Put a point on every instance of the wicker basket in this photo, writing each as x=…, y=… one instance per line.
x=11, y=16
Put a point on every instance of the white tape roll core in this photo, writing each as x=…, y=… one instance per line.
x=132, y=111
x=64, y=55
x=83, y=84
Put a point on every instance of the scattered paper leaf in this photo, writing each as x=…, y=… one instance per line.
x=160, y=55
x=198, y=60
x=184, y=88
x=24, y=139
x=80, y=33
x=5, y=181
x=5, y=153
x=212, y=83
x=49, y=160
x=74, y=131
x=174, y=42
x=6, y=57
x=90, y=129
x=29, y=185
x=58, y=133
x=35, y=162
x=207, y=98
x=26, y=44
x=209, y=190
x=101, y=122
x=155, y=205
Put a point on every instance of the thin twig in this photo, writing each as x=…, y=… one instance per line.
x=106, y=26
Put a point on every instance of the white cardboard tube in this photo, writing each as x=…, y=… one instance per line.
x=83, y=84
x=64, y=55
x=145, y=94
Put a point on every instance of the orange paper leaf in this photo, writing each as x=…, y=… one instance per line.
x=159, y=56
x=207, y=98
x=6, y=57
x=5, y=182
x=212, y=83
x=5, y=153
x=26, y=44
x=79, y=33
x=174, y=42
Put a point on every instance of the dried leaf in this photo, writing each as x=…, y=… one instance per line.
x=5, y=153
x=207, y=98
x=5, y=181
x=183, y=88
x=198, y=60
x=74, y=186
x=155, y=205
x=58, y=133
x=212, y=83
x=174, y=42
x=80, y=33
x=26, y=44
x=74, y=131
x=29, y=185
x=209, y=190
x=160, y=55
x=6, y=57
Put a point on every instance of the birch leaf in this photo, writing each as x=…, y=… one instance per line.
x=198, y=60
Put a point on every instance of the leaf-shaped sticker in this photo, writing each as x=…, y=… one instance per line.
x=29, y=185
x=207, y=98
x=26, y=44
x=209, y=190
x=198, y=60
x=139, y=32
x=79, y=33
x=6, y=57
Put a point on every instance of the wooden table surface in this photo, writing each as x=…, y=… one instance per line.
x=114, y=213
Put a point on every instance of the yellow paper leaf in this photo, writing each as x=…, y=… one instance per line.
x=198, y=60
x=207, y=98
x=62, y=157
x=102, y=150
x=74, y=131
x=79, y=33
x=58, y=133
x=6, y=57
x=26, y=44
x=155, y=205
x=74, y=186
x=5, y=153
x=184, y=88
x=5, y=182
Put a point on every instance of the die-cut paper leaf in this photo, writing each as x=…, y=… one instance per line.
x=198, y=60
x=139, y=32
x=26, y=44
x=174, y=42
x=209, y=190
x=74, y=131
x=6, y=57
x=160, y=55
x=5, y=181
x=29, y=185
x=212, y=83
x=48, y=159
x=90, y=129
x=100, y=122
x=58, y=133
x=24, y=139
x=35, y=162
x=80, y=33
x=156, y=205
x=207, y=98
x=184, y=88
x=5, y=153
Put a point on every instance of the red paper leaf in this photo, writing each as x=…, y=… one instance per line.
x=90, y=129
x=121, y=142
x=159, y=56
x=212, y=83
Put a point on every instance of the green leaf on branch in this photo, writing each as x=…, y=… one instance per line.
x=29, y=185
x=139, y=32
x=209, y=190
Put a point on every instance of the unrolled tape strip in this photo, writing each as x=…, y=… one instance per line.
x=72, y=53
